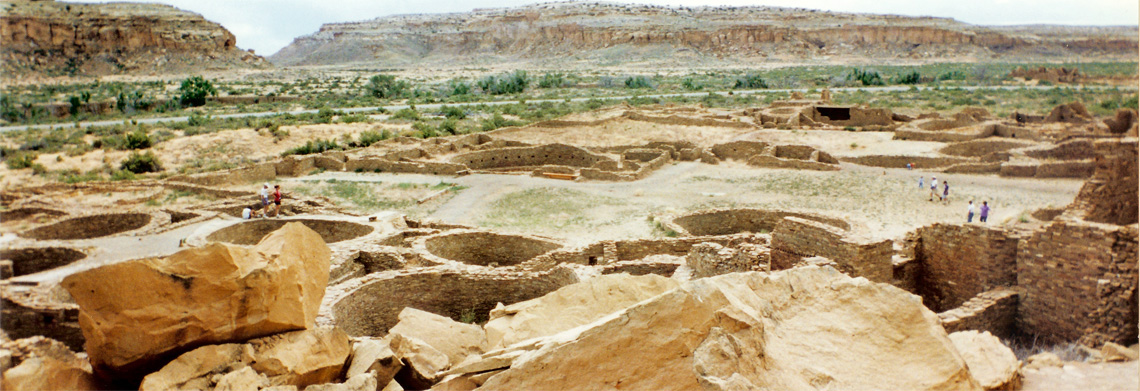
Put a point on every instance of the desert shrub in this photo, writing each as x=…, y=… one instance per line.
x=459, y=88
x=638, y=82
x=511, y=83
x=449, y=126
x=198, y=119
x=387, y=87
x=194, y=91
x=141, y=162
x=453, y=112
x=138, y=139
x=689, y=84
x=312, y=146
x=408, y=113
x=552, y=80
x=908, y=78
x=18, y=159
x=369, y=137
x=866, y=77
x=425, y=130
x=497, y=121
x=751, y=81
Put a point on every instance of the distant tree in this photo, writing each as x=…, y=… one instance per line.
x=751, y=81
x=194, y=91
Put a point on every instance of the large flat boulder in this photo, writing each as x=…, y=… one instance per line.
x=138, y=314
x=801, y=329
x=43, y=364
x=991, y=363
x=454, y=339
x=571, y=306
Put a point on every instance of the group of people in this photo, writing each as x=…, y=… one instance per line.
x=268, y=199
x=944, y=197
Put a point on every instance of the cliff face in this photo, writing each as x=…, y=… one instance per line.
x=630, y=33
x=52, y=38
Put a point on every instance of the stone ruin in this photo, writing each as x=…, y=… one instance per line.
x=375, y=302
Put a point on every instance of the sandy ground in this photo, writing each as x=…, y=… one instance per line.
x=1076, y=376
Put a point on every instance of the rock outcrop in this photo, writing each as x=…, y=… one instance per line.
x=591, y=31
x=799, y=329
x=55, y=38
x=134, y=313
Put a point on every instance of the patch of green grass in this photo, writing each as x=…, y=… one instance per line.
x=545, y=208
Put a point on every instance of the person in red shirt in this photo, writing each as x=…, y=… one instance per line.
x=277, y=200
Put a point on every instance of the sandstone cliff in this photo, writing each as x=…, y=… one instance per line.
x=49, y=38
x=599, y=33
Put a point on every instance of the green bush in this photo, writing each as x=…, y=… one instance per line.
x=497, y=121
x=908, y=78
x=551, y=80
x=138, y=139
x=313, y=147
x=198, y=119
x=868, y=78
x=459, y=88
x=369, y=137
x=750, y=81
x=425, y=130
x=638, y=82
x=689, y=84
x=387, y=87
x=18, y=160
x=141, y=162
x=453, y=112
x=511, y=83
x=406, y=113
x=194, y=91
x=449, y=126
x=123, y=175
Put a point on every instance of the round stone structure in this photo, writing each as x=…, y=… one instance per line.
x=733, y=221
x=251, y=232
x=482, y=248
x=87, y=227
x=32, y=260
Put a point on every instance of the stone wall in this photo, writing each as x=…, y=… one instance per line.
x=1070, y=150
x=485, y=248
x=775, y=162
x=711, y=259
x=1110, y=196
x=896, y=161
x=738, y=150
x=983, y=147
x=958, y=262
x=993, y=310
x=798, y=238
x=1079, y=280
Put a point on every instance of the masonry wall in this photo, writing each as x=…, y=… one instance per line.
x=921, y=162
x=957, y=262
x=797, y=238
x=731, y=221
x=1110, y=196
x=993, y=310
x=1079, y=281
x=556, y=154
x=738, y=150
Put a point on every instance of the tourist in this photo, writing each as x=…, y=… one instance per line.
x=970, y=212
x=985, y=212
x=265, y=200
x=945, y=192
x=921, y=185
x=246, y=213
x=933, y=187
x=277, y=200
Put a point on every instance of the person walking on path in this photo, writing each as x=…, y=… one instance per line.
x=945, y=192
x=921, y=185
x=264, y=200
x=933, y=187
x=970, y=212
x=985, y=212
x=277, y=200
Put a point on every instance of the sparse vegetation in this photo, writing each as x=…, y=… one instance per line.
x=194, y=91
x=139, y=163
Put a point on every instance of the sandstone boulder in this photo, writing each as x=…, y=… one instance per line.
x=571, y=306
x=991, y=363
x=134, y=313
x=302, y=358
x=193, y=369
x=362, y=382
x=421, y=363
x=40, y=363
x=1115, y=352
x=454, y=339
x=801, y=329
x=1043, y=360
x=375, y=357
x=241, y=380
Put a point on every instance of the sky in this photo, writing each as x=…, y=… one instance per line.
x=269, y=25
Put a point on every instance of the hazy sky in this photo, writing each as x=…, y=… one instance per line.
x=268, y=25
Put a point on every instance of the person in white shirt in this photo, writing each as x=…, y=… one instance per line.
x=265, y=200
x=970, y=212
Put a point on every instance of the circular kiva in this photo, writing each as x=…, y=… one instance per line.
x=733, y=221
x=372, y=308
x=251, y=232
x=487, y=248
x=37, y=259
x=88, y=227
